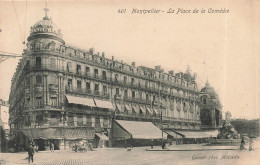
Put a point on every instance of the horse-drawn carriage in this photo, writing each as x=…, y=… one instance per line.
x=82, y=146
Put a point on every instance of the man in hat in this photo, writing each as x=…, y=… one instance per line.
x=30, y=153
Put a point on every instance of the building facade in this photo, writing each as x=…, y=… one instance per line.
x=60, y=93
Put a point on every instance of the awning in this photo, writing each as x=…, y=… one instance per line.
x=156, y=111
x=81, y=100
x=173, y=134
x=59, y=133
x=119, y=107
x=78, y=133
x=149, y=110
x=103, y=104
x=136, y=108
x=128, y=107
x=142, y=109
x=101, y=136
x=139, y=130
x=198, y=134
x=39, y=133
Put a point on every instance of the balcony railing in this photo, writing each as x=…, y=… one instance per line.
x=88, y=92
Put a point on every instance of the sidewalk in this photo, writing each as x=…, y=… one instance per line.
x=192, y=147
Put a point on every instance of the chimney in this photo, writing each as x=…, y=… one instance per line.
x=98, y=53
x=171, y=72
x=158, y=67
x=133, y=64
x=113, y=58
x=103, y=54
x=91, y=50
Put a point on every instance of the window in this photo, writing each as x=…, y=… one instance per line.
x=52, y=63
x=78, y=84
x=125, y=79
x=116, y=77
x=96, y=73
x=69, y=67
x=70, y=83
x=125, y=94
x=204, y=101
x=133, y=94
x=104, y=89
x=87, y=85
x=97, y=122
x=147, y=97
x=80, y=120
x=132, y=81
x=89, y=121
x=117, y=91
x=52, y=79
x=38, y=62
x=96, y=89
x=87, y=70
x=146, y=84
x=27, y=81
x=104, y=75
x=38, y=79
x=78, y=70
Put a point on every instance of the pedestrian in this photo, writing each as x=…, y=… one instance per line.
x=30, y=153
x=36, y=148
x=163, y=145
x=125, y=143
x=152, y=143
x=251, y=144
x=52, y=147
x=242, y=145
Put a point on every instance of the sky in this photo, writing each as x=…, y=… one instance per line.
x=220, y=47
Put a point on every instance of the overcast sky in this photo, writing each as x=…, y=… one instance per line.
x=222, y=47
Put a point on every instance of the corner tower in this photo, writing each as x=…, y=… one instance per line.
x=45, y=34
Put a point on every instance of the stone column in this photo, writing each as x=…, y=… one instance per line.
x=213, y=118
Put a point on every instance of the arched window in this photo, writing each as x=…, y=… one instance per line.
x=38, y=79
x=52, y=62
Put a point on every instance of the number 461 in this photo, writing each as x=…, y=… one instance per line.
x=121, y=10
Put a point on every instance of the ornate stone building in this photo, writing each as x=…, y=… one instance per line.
x=210, y=108
x=60, y=93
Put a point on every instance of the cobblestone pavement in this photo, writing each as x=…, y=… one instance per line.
x=137, y=156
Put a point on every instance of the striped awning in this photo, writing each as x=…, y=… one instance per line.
x=149, y=110
x=128, y=107
x=102, y=136
x=80, y=100
x=173, y=134
x=156, y=111
x=143, y=109
x=79, y=133
x=136, y=108
x=119, y=107
x=59, y=133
